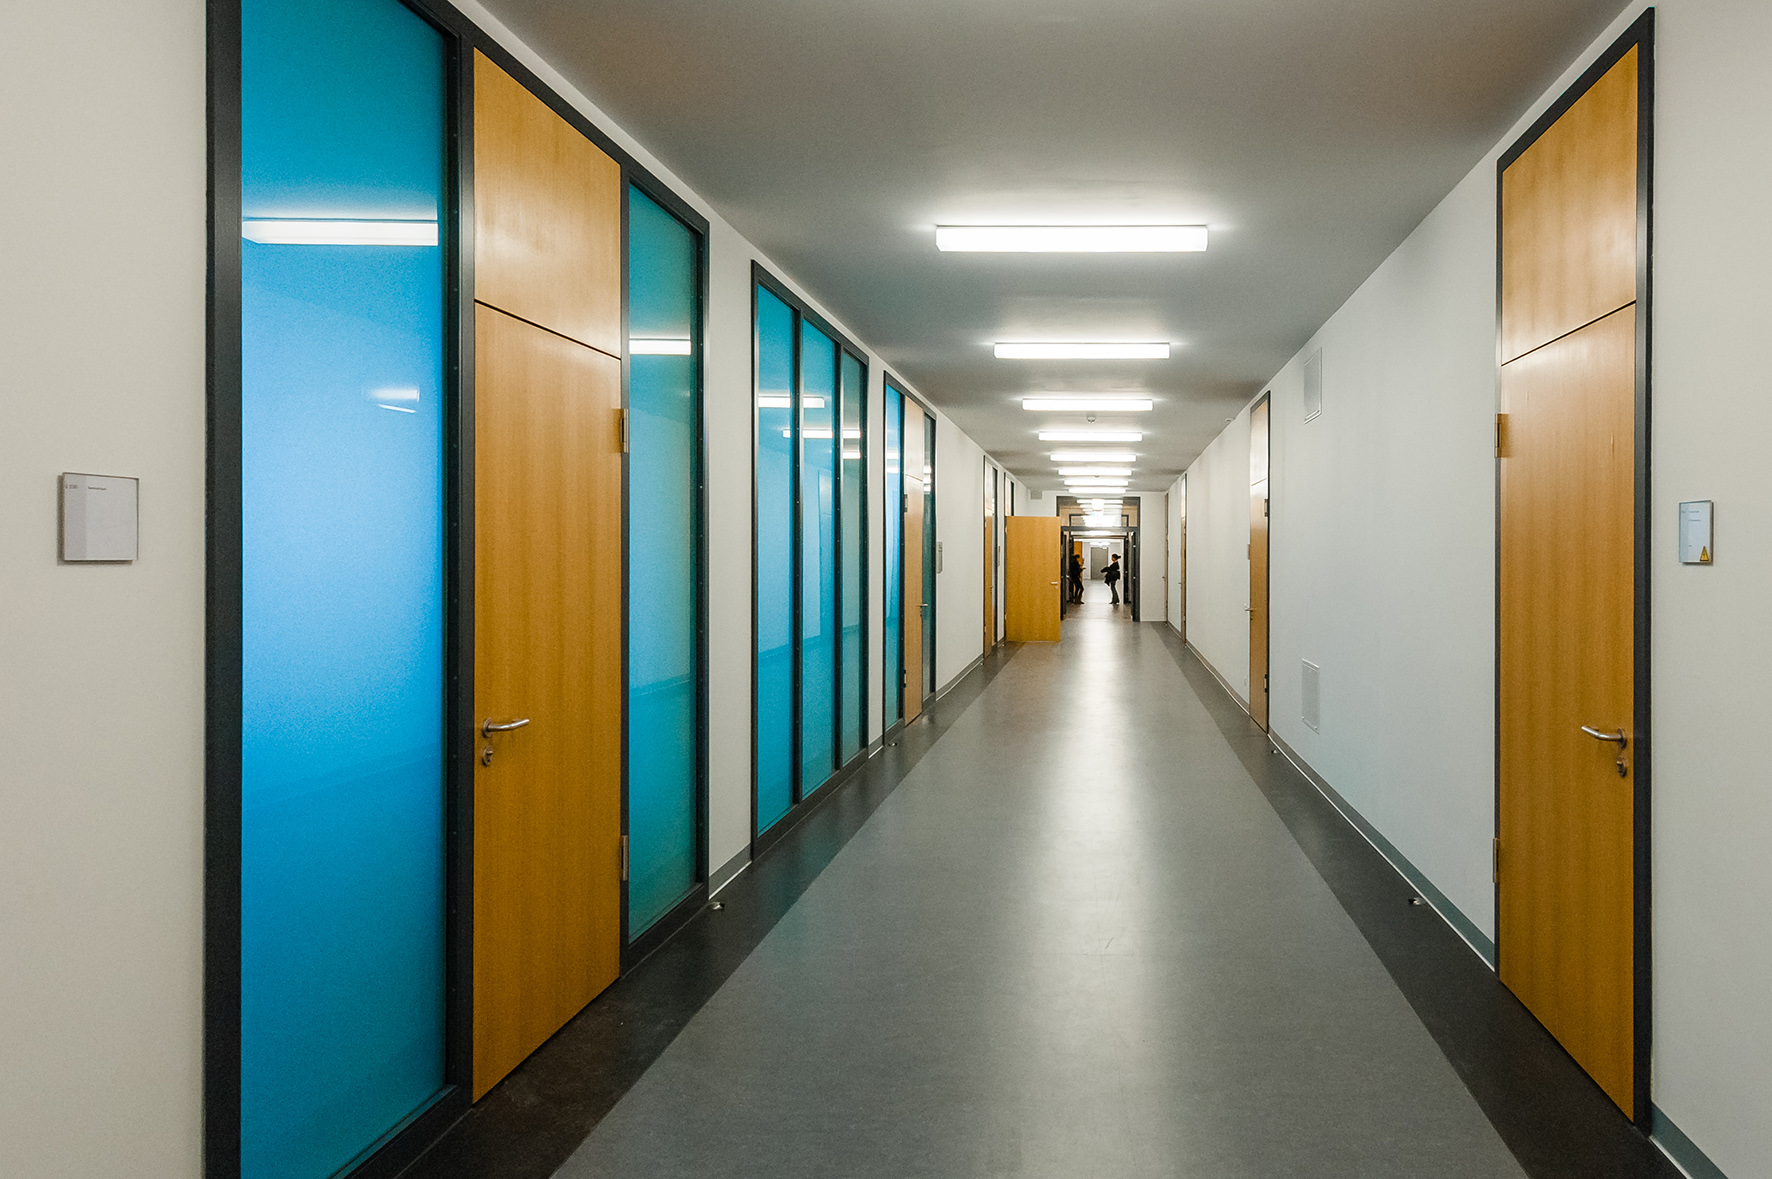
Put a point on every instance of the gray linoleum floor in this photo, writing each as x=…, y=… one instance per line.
x=1077, y=942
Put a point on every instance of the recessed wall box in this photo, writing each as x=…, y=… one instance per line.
x=99, y=521
x=1698, y=542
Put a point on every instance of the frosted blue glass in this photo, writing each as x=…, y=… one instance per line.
x=342, y=411
x=662, y=414
x=854, y=513
x=818, y=558
x=774, y=706
x=891, y=642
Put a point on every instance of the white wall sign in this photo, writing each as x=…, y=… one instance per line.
x=98, y=517
x=1697, y=542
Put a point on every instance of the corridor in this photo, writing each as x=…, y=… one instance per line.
x=1077, y=939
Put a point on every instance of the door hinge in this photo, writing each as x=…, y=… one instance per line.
x=624, y=857
x=1500, y=433
x=1495, y=862
x=1264, y=511
x=623, y=414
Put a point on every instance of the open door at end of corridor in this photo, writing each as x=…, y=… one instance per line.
x=1033, y=574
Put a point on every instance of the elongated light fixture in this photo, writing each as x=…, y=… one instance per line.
x=1086, y=404
x=1116, y=484
x=1071, y=239
x=1091, y=436
x=1082, y=350
x=655, y=346
x=1093, y=456
x=327, y=232
x=785, y=401
x=1117, y=472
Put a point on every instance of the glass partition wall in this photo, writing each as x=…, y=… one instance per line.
x=664, y=561
x=342, y=608
x=892, y=643
x=810, y=554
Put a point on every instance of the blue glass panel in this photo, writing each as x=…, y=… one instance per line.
x=854, y=513
x=342, y=887
x=818, y=558
x=774, y=706
x=892, y=656
x=662, y=560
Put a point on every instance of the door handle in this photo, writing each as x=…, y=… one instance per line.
x=487, y=728
x=1623, y=744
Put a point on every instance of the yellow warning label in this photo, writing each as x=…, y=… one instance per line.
x=1704, y=555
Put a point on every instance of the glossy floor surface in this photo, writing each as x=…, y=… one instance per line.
x=1076, y=939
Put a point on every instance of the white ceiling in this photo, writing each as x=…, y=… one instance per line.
x=1311, y=135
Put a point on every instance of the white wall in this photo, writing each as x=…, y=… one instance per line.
x=1383, y=543
x=1218, y=554
x=101, y=788
x=1153, y=556
x=959, y=527
x=1177, y=540
x=1712, y=642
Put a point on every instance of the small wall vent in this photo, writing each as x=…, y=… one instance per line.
x=1311, y=693
x=1313, y=385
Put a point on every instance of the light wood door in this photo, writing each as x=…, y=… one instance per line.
x=1035, y=557
x=547, y=648
x=547, y=607
x=1567, y=597
x=1258, y=563
x=547, y=215
x=1569, y=251
x=913, y=609
x=1566, y=529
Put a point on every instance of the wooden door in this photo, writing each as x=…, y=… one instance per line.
x=1035, y=558
x=1181, y=542
x=1258, y=555
x=913, y=609
x=547, y=595
x=1566, y=653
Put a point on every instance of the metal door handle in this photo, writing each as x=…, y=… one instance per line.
x=1597, y=735
x=488, y=728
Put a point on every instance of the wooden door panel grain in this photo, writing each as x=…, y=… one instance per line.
x=547, y=646
x=1565, y=659
x=1569, y=206
x=547, y=215
x=1035, y=556
x=913, y=609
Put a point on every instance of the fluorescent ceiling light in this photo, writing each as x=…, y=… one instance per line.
x=1093, y=456
x=1071, y=239
x=1095, y=470
x=852, y=454
x=657, y=346
x=783, y=401
x=1083, y=350
x=1077, y=484
x=316, y=232
x=1100, y=521
x=1091, y=436
x=1087, y=404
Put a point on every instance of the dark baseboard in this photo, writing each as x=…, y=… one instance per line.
x=1451, y=914
x=1219, y=676
x=1681, y=1149
x=661, y=930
